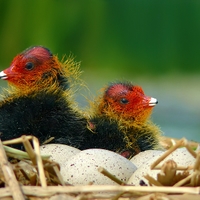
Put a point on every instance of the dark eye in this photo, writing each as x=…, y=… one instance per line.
x=29, y=66
x=124, y=101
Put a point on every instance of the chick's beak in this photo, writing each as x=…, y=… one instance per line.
x=149, y=101
x=3, y=75
x=153, y=101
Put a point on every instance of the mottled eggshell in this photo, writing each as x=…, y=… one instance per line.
x=82, y=168
x=181, y=156
x=144, y=156
x=59, y=153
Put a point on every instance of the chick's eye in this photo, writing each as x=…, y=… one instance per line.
x=29, y=66
x=124, y=101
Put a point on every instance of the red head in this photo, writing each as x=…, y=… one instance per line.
x=124, y=100
x=31, y=67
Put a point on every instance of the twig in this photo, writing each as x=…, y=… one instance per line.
x=9, y=175
x=197, y=163
x=116, y=197
x=17, y=140
x=48, y=141
x=158, y=167
x=39, y=162
x=16, y=153
x=185, y=180
x=193, y=153
x=195, y=180
x=152, y=180
x=179, y=143
x=29, y=149
x=167, y=142
x=56, y=170
x=111, y=176
x=51, y=190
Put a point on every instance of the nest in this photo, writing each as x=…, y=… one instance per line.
x=28, y=175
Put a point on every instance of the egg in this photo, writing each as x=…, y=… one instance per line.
x=181, y=156
x=144, y=156
x=82, y=168
x=59, y=153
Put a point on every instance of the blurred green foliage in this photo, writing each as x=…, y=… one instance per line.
x=117, y=39
x=124, y=36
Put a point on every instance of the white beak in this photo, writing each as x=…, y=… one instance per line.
x=3, y=75
x=153, y=102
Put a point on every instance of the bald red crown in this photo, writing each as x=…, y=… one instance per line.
x=121, y=88
x=38, y=52
x=37, y=55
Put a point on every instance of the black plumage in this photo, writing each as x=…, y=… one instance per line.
x=44, y=114
x=114, y=135
x=104, y=133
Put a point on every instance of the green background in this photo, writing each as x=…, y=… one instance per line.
x=152, y=43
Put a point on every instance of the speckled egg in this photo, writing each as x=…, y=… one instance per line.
x=82, y=168
x=181, y=156
x=144, y=156
x=59, y=153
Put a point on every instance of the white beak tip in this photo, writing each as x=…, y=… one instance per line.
x=153, y=102
x=3, y=75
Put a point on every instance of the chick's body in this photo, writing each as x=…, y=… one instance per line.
x=44, y=114
x=121, y=118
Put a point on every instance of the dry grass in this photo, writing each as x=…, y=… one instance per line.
x=28, y=175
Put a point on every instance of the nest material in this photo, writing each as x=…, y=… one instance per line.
x=28, y=175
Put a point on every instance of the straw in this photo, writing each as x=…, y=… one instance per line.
x=11, y=181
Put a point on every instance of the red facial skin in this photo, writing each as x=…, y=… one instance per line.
x=30, y=67
x=127, y=101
